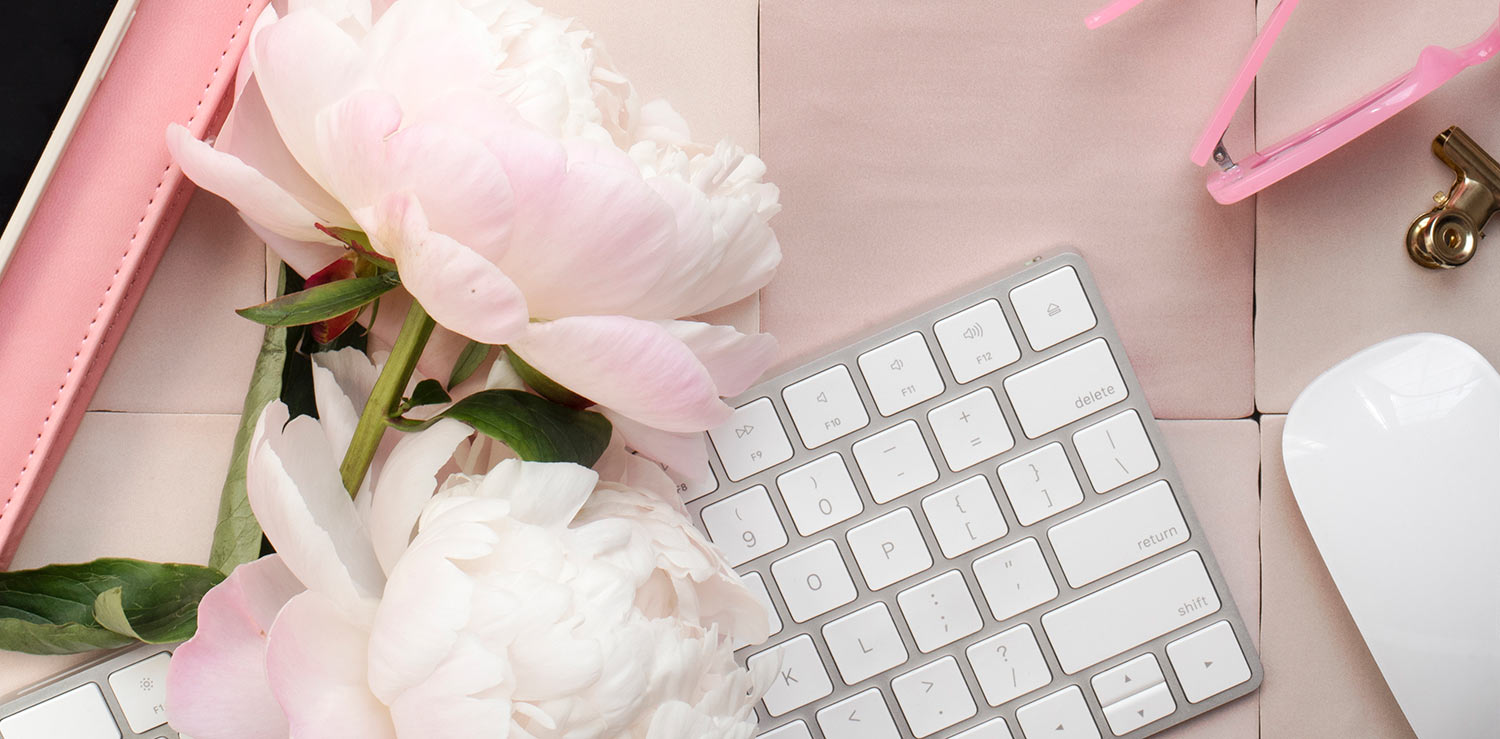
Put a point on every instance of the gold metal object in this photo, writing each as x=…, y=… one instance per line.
x=1446, y=236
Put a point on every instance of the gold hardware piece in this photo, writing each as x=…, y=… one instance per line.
x=1446, y=236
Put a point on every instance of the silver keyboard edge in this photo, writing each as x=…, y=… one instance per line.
x=96, y=670
x=924, y=322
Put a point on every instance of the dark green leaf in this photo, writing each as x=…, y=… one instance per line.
x=64, y=609
x=544, y=385
x=322, y=302
x=468, y=360
x=237, y=536
x=428, y=392
x=536, y=429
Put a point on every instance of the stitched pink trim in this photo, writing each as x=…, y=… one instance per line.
x=115, y=278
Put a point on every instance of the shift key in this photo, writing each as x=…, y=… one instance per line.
x=1066, y=388
x=1131, y=612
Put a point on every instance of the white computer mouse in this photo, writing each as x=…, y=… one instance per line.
x=1394, y=459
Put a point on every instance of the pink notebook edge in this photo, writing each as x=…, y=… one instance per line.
x=159, y=216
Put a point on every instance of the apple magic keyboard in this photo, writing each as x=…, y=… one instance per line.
x=967, y=526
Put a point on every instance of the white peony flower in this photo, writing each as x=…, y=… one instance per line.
x=529, y=601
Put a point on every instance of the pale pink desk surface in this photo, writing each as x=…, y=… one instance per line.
x=924, y=147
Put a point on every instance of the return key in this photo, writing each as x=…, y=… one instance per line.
x=1118, y=534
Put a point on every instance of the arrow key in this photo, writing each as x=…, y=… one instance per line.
x=1061, y=715
x=1208, y=662
x=1118, y=683
x=934, y=697
x=1140, y=709
x=864, y=716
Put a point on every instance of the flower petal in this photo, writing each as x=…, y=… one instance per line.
x=733, y=359
x=217, y=683
x=250, y=135
x=316, y=662
x=254, y=194
x=407, y=481
x=461, y=186
x=460, y=289
x=304, y=62
x=638, y=368
x=546, y=494
x=304, y=257
x=683, y=453
x=422, y=50
x=294, y=488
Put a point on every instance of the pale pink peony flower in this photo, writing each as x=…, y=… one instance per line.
x=529, y=601
x=526, y=196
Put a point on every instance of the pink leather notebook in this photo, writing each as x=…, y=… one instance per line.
x=99, y=231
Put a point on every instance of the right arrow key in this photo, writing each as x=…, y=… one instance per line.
x=1208, y=662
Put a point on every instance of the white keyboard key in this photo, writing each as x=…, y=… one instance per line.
x=901, y=374
x=1065, y=388
x=801, y=679
x=889, y=549
x=752, y=440
x=1152, y=704
x=691, y=487
x=758, y=589
x=971, y=429
x=80, y=713
x=865, y=643
x=794, y=730
x=864, y=716
x=819, y=494
x=1208, y=662
x=964, y=516
x=141, y=691
x=1040, y=484
x=933, y=697
x=1118, y=534
x=825, y=406
x=1009, y=665
x=1015, y=579
x=1052, y=309
x=1131, y=612
x=992, y=729
x=1118, y=683
x=1116, y=451
x=895, y=462
x=744, y=525
x=977, y=341
x=1061, y=715
x=813, y=581
x=940, y=611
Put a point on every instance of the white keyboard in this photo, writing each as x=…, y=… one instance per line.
x=119, y=696
x=967, y=526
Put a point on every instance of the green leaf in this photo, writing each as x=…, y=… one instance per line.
x=536, y=429
x=545, y=386
x=359, y=241
x=428, y=392
x=237, y=535
x=65, y=609
x=322, y=302
x=468, y=360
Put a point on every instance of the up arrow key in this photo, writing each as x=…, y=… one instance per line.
x=1059, y=728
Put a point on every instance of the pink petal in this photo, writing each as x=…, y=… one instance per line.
x=735, y=360
x=217, y=685
x=683, y=453
x=421, y=51
x=637, y=368
x=316, y=664
x=461, y=186
x=460, y=289
x=251, y=135
x=442, y=349
x=294, y=488
x=304, y=63
x=304, y=257
x=254, y=194
x=594, y=241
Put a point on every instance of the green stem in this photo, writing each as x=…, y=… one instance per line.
x=386, y=395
